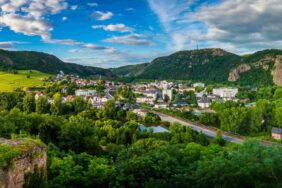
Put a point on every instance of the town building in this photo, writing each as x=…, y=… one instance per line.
x=198, y=84
x=161, y=105
x=277, y=133
x=226, y=93
x=167, y=92
x=204, y=102
x=86, y=92
x=60, y=76
x=149, y=100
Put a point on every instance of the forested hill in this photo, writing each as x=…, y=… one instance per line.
x=26, y=60
x=211, y=65
x=208, y=65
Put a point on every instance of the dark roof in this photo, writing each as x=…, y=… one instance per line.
x=276, y=130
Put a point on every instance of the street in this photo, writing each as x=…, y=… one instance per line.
x=208, y=132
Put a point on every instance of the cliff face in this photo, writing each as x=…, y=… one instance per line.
x=234, y=75
x=29, y=156
x=277, y=71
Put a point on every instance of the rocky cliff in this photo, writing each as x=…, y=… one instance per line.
x=277, y=71
x=18, y=157
x=234, y=75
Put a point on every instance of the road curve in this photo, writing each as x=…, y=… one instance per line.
x=209, y=132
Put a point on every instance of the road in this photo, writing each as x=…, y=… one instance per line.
x=205, y=130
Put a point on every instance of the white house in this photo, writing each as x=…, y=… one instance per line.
x=161, y=105
x=198, y=84
x=204, y=102
x=87, y=92
x=167, y=92
x=227, y=93
x=149, y=100
x=200, y=94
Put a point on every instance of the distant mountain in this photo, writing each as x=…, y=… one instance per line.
x=213, y=66
x=207, y=65
x=130, y=70
x=26, y=60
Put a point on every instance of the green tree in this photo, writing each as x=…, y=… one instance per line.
x=209, y=119
x=130, y=116
x=151, y=118
x=234, y=120
x=278, y=116
x=29, y=103
x=79, y=104
x=42, y=105
x=110, y=110
x=278, y=93
x=218, y=139
x=6, y=127
x=255, y=120
x=56, y=106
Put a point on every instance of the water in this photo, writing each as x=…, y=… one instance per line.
x=156, y=129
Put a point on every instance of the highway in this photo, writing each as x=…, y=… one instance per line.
x=205, y=130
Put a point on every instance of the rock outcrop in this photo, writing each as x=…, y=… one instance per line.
x=277, y=71
x=19, y=157
x=234, y=75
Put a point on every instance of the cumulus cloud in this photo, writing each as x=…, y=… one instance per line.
x=240, y=21
x=131, y=40
x=114, y=27
x=98, y=15
x=64, y=18
x=27, y=25
x=28, y=16
x=245, y=25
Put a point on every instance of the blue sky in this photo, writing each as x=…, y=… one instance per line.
x=112, y=33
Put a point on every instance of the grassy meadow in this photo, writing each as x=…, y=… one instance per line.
x=23, y=79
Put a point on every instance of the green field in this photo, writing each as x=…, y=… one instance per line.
x=10, y=82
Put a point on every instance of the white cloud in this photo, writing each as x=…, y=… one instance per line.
x=98, y=15
x=27, y=25
x=170, y=13
x=239, y=25
x=131, y=40
x=130, y=9
x=64, y=18
x=92, y=4
x=74, y=7
x=74, y=51
x=114, y=27
x=71, y=42
x=28, y=16
x=8, y=44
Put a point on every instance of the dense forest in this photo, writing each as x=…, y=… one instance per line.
x=89, y=147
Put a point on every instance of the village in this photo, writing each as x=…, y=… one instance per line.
x=157, y=95
x=163, y=94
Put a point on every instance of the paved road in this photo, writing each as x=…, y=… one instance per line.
x=206, y=131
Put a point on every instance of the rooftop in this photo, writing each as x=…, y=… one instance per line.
x=277, y=130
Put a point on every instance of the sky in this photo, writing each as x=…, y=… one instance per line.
x=113, y=33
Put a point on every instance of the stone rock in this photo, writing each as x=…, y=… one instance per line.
x=234, y=75
x=277, y=71
x=33, y=155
